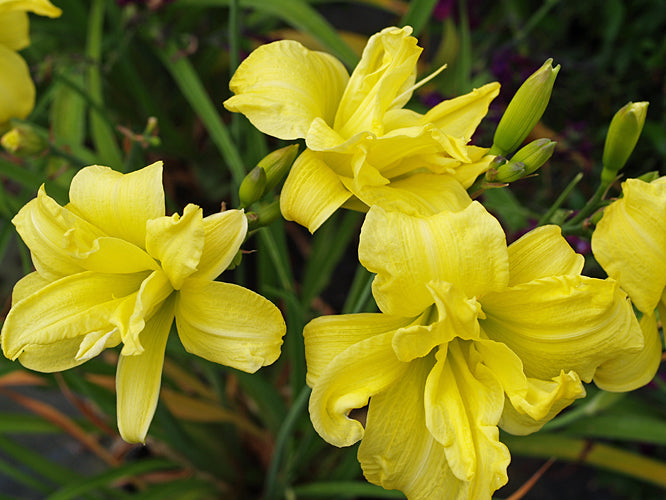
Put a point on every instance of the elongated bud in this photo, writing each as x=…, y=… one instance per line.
x=22, y=140
x=525, y=109
x=264, y=216
x=623, y=132
x=277, y=165
x=510, y=171
x=253, y=186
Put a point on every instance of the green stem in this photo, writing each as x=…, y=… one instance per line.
x=560, y=199
x=592, y=205
x=281, y=441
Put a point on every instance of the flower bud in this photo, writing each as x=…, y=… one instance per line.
x=277, y=165
x=22, y=140
x=253, y=186
x=623, y=133
x=265, y=215
x=509, y=172
x=525, y=109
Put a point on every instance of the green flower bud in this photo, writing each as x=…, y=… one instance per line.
x=277, y=165
x=264, y=216
x=510, y=171
x=623, y=132
x=253, y=186
x=525, y=109
x=526, y=161
x=22, y=140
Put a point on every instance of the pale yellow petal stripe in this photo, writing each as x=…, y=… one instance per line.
x=14, y=30
x=327, y=336
x=224, y=233
x=281, y=87
x=541, y=253
x=73, y=306
x=630, y=242
x=119, y=204
x=40, y=7
x=562, y=323
x=17, y=92
x=633, y=370
x=466, y=249
x=138, y=378
x=177, y=242
x=463, y=404
x=228, y=324
x=362, y=370
x=312, y=192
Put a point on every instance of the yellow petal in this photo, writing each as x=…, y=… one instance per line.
x=312, y=192
x=463, y=404
x=224, y=233
x=541, y=253
x=530, y=402
x=138, y=378
x=460, y=116
x=466, y=249
x=228, y=324
x=17, y=92
x=71, y=307
x=398, y=451
x=61, y=243
x=177, y=242
x=14, y=30
x=421, y=194
x=50, y=358
x=28, y=285
x=40, y=7
x=281, y=87
x=328, y=336
x=562, y=323
x=360, y=371
x=630, y=242
x=119, y=204
x=633, y=370
x=381, y=81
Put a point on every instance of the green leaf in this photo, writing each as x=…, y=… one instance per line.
x=343, y=489
x=418, y=15
x=506, y=206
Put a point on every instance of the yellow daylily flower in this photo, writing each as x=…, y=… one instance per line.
x=363, y=148
x=472, y=335
x=17, y=92
x=111, y=268
x=629, y=242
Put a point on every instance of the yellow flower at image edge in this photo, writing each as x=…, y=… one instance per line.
x=111, y=268
x=363, y=147
x=17, y=92
x=472, y=335
x=629, y=242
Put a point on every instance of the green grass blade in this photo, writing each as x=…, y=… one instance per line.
x=343, y=489
x=418, y=15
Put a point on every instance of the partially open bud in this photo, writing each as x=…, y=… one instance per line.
x=625, y=128
x=253, y=186
x=277, y=165
x=525, y=110
x=22, y=140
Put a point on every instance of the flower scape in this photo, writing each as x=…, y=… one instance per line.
x=474, y=330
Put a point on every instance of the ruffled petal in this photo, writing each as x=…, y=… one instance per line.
x=530, y=402
x=328, y=336
x=382, y=80
x=281, y=87
x=463, y=404
x=312, y=192
x=224, y=233
x=460, y=116
x=119, y=204
x=14, y=30
x=360, y=371
x=17, y=92
x=563, y=323
x=138, y=378
x=633, y=370
x=71, y=307
x=541, y=253
x=228, y=324
x=466, y=249
x=177, y=242
x=399, y=452
x=61, y=243
x=630, y=242
x=40, y=7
